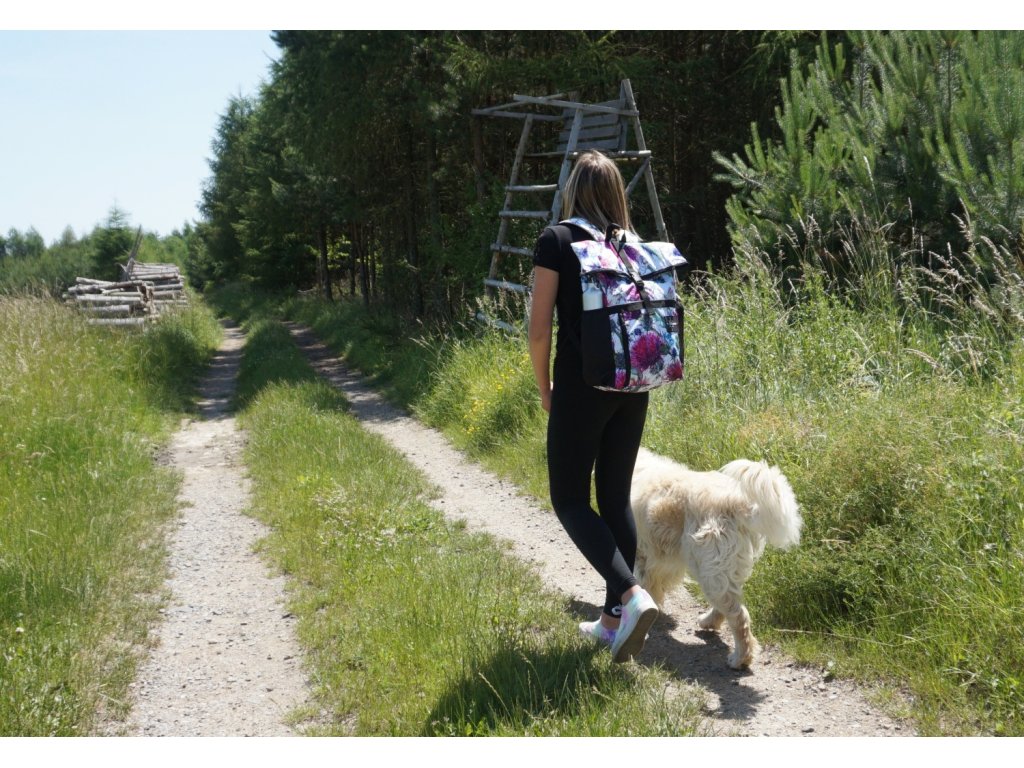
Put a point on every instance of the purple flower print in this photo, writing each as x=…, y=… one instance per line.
x=621, y=292
x=620, y=378
x=674, y=371
x=645, y=351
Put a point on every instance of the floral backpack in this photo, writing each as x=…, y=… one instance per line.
x=631, y=334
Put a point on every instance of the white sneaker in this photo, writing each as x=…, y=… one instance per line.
x=596, y=631
x=637, y=616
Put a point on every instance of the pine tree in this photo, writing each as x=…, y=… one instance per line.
x=902, y=138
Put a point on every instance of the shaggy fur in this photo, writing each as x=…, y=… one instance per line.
x=712, y=526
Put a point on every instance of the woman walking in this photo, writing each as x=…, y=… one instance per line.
x=589, y=430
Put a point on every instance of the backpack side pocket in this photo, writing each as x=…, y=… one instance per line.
x=597, y=348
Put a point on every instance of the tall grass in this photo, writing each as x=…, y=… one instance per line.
x=82, y=501
x=893, y=399
x=412, y=625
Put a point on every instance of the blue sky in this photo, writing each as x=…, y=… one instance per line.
x=90, y=120
x=95, y=119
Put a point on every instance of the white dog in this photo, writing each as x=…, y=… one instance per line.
x=712, y=526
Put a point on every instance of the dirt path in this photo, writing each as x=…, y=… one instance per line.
x=775, y=698
x=226, y=662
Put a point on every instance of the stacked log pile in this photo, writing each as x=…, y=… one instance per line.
x=166, y=280
x=144, y=292
x=128, y=302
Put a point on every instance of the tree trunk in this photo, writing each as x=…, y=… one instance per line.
x=323, y=267
x=353, y=258
x=438, y=267
x=477, y=136
x=411, y=227
x=369, y=265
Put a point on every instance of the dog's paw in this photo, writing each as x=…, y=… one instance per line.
x=742, y=658
x=736, y=661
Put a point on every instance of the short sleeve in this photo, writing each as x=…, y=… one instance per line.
x=547, y=252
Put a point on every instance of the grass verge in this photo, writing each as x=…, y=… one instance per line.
x=82, y=504
x=414, y=626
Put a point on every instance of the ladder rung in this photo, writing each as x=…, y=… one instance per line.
x=506, y=286
x=511, y=249
x=532, y=188
x=543, y=215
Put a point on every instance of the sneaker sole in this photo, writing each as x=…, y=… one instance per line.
x=633, y=644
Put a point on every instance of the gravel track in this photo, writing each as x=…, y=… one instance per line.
x=777, y=697
x=225, y=660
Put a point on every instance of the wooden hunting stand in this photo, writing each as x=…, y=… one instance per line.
x=605, y=127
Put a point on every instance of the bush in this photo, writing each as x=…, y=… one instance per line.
x=915, y=134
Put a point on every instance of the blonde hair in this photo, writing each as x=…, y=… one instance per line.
x=595, y=190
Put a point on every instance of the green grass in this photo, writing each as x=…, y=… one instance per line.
x=894, y=406
x=374, y=342
x=411, y=625
x=82, y=504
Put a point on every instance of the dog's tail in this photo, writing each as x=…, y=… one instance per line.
x=776, y=515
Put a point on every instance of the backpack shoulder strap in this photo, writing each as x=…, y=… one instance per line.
x=586, y=226
x=595, y=232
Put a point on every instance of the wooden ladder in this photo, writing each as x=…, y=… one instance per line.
x=605, y=127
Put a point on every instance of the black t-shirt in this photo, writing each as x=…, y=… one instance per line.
x=554, y=251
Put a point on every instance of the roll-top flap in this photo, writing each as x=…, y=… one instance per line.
x=650, y=259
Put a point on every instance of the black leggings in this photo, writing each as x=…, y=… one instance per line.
x=594, y=430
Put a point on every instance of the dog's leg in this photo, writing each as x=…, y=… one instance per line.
x=729, y=605
x=746, y=644
x=711, y=620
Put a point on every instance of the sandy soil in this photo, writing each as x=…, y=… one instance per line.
x=776, y=697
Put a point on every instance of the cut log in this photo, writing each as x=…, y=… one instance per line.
x=118, y=321
x=112, y=309
x=96, y=299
